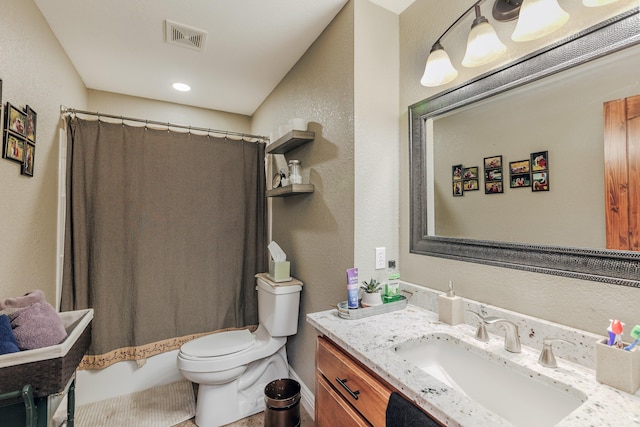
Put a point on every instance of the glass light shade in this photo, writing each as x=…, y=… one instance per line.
x=483, y=46
x=439, y=69
x=537, y=19
x=596, y=3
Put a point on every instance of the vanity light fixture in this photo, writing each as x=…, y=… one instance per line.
x=596, y=3
x=182, y=87
x=536, y=19
x=439, y=70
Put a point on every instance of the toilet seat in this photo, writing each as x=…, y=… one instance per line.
x=220, y=344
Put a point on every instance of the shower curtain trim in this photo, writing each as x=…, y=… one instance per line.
x=65, y=112
x=140, y=353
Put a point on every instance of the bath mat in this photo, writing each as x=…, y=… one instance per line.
x=161, y=406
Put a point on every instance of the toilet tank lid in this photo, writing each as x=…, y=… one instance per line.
x=219, y=344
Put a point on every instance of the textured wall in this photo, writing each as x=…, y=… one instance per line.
x=35, y=71
x=316, y=230
x=142, y=108
x=582, y=304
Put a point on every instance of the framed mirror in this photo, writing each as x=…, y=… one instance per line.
x=540, y=231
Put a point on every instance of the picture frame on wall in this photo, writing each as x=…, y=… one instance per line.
x=470, y=185
x=31, y=121
x=493, y=187
x=15, y=119
x=29, y=158
x=540, y=181
x=540, y=161
x=470, y=173
x=13, y=147
x=457, y=189
x=456, y=172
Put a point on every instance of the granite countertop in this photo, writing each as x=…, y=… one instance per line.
x=372, y=341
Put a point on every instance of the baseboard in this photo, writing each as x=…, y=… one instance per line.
x=306, y=397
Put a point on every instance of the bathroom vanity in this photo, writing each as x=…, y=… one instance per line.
x=347, y=393
x=410, y=351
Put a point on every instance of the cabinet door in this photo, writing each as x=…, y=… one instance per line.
x=332, y=410
x=356, y=385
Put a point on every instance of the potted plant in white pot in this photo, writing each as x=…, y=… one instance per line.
x=371, y=295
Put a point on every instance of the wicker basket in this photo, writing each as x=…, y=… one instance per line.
x=49, y=369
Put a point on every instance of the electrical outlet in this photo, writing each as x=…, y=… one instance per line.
x=381, y=258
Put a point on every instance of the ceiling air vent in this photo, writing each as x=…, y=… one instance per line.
x=183, y=35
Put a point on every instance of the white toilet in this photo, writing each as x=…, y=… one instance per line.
x=232, y=368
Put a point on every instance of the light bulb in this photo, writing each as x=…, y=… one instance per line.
x=537, y=19
x=483, y=44
x=438, y=70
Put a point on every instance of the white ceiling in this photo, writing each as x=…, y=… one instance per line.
x=119, y=45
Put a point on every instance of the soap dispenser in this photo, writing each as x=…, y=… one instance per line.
x=450, y=307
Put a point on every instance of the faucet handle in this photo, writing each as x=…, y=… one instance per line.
x=546, y=355
x=481, y=332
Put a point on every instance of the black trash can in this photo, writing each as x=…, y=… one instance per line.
x=282, y=399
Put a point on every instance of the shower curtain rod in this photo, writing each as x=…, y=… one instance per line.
x=65, y=110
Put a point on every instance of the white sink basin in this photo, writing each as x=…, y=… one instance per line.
x=514, y=394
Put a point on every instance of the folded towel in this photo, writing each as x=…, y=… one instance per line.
x=402, y=413
x=37, y=326
x=23, y=301
x=8, y=343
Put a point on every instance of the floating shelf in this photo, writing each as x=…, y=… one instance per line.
x=290, y=190
x=289, y=141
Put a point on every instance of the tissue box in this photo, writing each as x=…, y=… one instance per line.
x=280, y=271
x=617, y=367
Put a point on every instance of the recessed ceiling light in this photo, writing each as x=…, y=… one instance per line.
x=182, y=87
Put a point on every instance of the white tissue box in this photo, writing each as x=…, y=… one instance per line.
x=617, y=367
x=280, y=271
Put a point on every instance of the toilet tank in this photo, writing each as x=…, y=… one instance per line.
x=278, y=307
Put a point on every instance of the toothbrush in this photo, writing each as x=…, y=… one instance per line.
x=614, y=330
x=635, y=333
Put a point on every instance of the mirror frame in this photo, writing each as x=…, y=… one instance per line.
x=600, y=265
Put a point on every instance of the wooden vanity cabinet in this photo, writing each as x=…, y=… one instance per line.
x=347, y=393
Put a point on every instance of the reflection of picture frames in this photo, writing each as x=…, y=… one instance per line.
x=493, y=162
x=540, y=161
x=493, y=187
x=519, y=167
x=15, y=119
x=520, y=181
x=470, y=173
x=471, y=185
x=13, y=147
x=540, y=181
x=456, y=172
x=30, y=126
x=29, y=156
x=493, y=175
x=457, y=189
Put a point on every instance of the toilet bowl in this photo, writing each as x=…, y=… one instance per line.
x=232, y=368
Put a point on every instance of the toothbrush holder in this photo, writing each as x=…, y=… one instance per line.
x=618, y=368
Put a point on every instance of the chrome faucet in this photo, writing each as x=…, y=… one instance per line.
x=511, y=337
x=546, y=355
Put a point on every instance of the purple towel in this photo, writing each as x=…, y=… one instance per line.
x=23, y=301
x=8, y=343
x=37, y=326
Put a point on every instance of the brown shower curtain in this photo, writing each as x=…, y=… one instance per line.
x=164, y=234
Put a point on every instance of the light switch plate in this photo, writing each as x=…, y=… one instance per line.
x=381, y=258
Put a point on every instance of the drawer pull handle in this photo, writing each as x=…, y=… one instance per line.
x=353, y=394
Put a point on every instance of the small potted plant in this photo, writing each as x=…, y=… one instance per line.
x=371, y=294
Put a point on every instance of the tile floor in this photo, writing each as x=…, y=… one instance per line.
x=257, y=420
